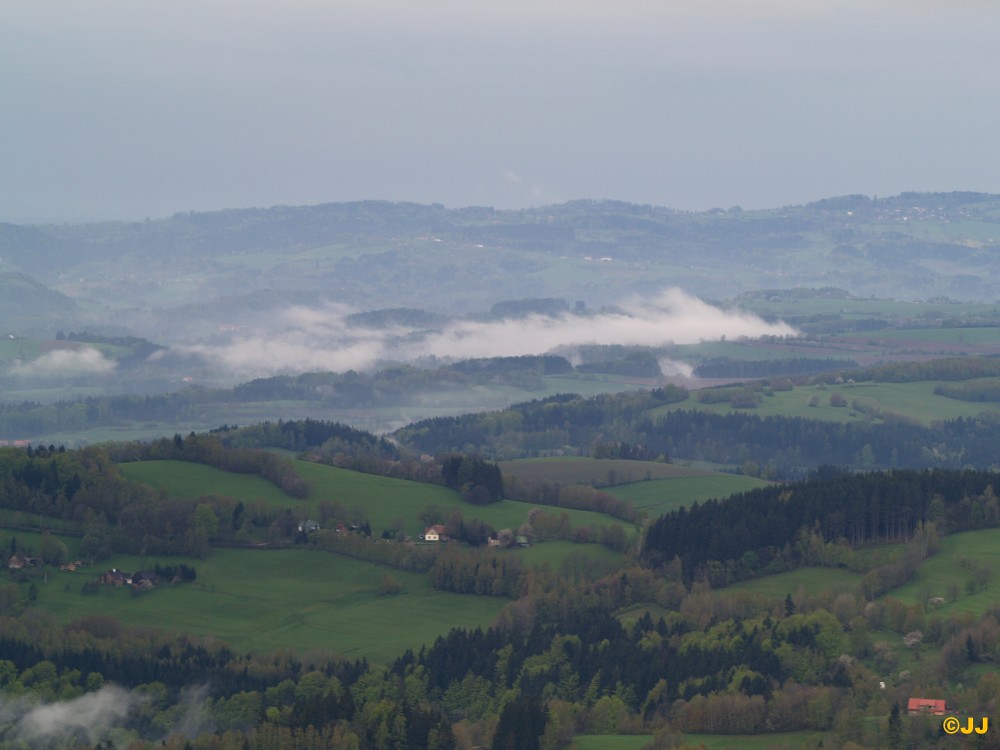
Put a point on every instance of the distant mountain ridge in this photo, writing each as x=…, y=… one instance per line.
x=376, y=254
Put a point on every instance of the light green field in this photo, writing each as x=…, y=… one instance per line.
x=267, y=599
x=664, y=495
x=943, y=569
x=775, y=741
x=387, y=499
x=914, y=400
x=812, y=579
x=384, y=499
x=185, y=479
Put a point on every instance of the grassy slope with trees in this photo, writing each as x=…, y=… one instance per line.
x=556, y=663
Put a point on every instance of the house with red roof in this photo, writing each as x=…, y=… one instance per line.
x=931, y=706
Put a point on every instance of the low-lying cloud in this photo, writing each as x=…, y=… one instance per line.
x=91, y=716
x=95, y=717
x=322, y=339
x=62, y=363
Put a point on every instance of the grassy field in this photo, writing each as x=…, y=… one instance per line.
x=914, y=400
x=610, y=741
x=263, y=600
x=385, y=500
x=184, y=479
x=945, y=570
x=810, y=579
x=651, y=486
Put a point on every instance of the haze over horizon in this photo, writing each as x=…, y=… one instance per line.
x=120, y=111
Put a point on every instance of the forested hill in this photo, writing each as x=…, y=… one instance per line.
x=769, y=529
x=783, y=445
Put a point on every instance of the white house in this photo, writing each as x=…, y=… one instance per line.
x=435, y=534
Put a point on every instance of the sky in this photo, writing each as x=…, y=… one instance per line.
x=126, y=109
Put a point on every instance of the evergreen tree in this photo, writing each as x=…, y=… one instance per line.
x=894, y=735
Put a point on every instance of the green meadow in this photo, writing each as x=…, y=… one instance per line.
x=263, y=600
x=811, y=579
x=610, y=741
x=185, y=479
x=656, y=488
x=385, y=500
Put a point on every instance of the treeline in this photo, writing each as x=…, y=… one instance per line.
x=725, y=367
x=575, y=496
x=635, y=364
x=793, y=444
x=484, y=574
x=544, y=364
x=29, y=418
x=538, y=426
x=988, y=390
x=768, y=528
x=951, y=368
x=478, y=481
x=331, y=438
x=788, y=446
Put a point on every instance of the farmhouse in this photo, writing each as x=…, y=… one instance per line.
x=435, y=533
x=925, y=706
x=115, y=577
x=146, y=579
x=18, y=562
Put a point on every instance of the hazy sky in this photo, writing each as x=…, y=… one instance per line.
x=128, y=108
